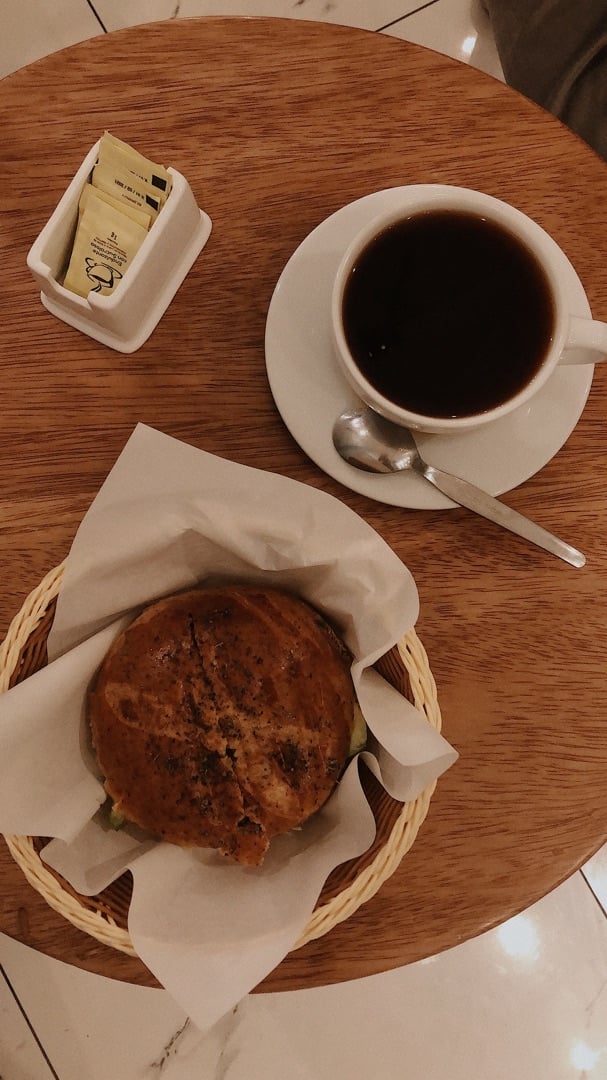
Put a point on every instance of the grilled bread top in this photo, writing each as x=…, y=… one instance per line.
x=222, y=717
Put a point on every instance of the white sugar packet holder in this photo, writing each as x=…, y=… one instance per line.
x=168, y=517
x=124, y=318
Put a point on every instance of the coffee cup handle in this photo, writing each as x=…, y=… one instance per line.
x=586, y=342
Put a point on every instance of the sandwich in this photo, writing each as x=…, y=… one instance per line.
x=224, y=716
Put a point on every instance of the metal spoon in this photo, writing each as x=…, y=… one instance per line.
x=367, y=441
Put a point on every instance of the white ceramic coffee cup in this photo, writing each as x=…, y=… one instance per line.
x=574, y=340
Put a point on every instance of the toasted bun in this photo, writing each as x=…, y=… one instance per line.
x=222, y=716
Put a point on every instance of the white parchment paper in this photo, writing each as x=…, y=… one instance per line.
x=167, y=517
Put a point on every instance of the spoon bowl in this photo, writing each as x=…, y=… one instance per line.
x=366, y=440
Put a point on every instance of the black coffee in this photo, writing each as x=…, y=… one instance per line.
x=447, y=314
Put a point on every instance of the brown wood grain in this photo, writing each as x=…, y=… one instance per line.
x=276, y=124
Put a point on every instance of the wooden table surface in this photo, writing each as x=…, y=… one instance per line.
x=276, y=124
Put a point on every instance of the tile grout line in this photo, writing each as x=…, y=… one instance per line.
x=401, y=18
x=17, y=1001
x=386, y=26
x=589, y=886
x=97, y=16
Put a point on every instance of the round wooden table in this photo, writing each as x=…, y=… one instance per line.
x=277, y=124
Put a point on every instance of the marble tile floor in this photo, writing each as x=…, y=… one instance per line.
x=526, y=1001
x=33, y=28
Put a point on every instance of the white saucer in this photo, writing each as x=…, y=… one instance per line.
x=310, y=392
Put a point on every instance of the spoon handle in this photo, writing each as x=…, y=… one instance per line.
x=481, y=503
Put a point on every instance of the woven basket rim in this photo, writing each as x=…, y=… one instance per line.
x=100, y=924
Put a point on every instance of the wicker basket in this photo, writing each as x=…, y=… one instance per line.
x=104, y=917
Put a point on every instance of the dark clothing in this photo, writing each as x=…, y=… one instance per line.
x=555, y=52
